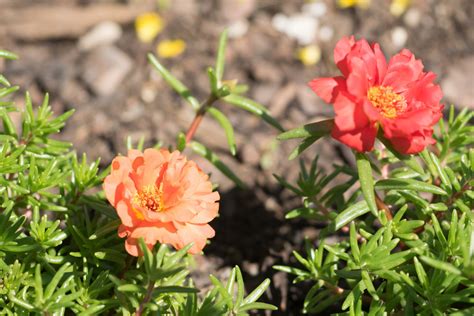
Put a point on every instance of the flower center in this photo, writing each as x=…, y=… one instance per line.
x=387, y=102
x=150, y=198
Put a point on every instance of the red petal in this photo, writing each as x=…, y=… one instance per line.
x=357, y=80
x=361, y=140
x=381, y=62
x=342, y=49
x=349, y=114
x=412, y=145
x=402, y=70
x=326, y=88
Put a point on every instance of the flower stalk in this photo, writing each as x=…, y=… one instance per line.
x=199, y=116
x=146, y=299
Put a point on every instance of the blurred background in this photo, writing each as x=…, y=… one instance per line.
x=90, y=55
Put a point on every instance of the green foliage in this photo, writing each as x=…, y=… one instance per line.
x=219, y=90
x=405, y=239
x=59, y=249
x=399, y=234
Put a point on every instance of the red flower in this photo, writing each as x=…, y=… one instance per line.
x=399, y=97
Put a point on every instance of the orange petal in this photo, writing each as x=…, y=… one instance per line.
x=125, y=213
x=196, y=234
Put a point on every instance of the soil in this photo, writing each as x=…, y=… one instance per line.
x=116, y=94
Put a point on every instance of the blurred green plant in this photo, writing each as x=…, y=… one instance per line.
x=228, y=91
x=404, y=226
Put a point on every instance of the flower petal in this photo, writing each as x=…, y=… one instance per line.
x=181, y=196
x=342, y=49
x=349, y=114
x=327, y=88
x=197, y=234
x=361, y=139
x=402, y=70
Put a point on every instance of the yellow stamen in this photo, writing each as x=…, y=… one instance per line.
x=150, y=197
x=387, y=102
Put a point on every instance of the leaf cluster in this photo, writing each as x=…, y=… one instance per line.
x=59, y=249
x=404, y=228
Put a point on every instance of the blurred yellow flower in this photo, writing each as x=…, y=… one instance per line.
x=148, y=26
x=309, y=55
x=171, y=48
x=353, y=3
x=398, y=7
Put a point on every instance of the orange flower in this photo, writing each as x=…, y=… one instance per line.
x=161, y=197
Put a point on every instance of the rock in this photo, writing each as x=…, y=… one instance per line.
x=73, y=92
x=238, y=29
x=251, y=268
x=263, y=93
x=266, y=71
x=133, y=111
x=56, y=74
x=235, y=10
x=457, y=87
x=315, y=9
x=148, y=93
x=46, y=21
x=271, y=204
x=186, y=9
x=282, y=99
x=296, y=115
x=105, y=68
x=302, y=27
x=399, y=37
x=308, y=100
x=412, y=18
x=104, y=33
x=250, y=154
x=280, y=281
x=326, y=33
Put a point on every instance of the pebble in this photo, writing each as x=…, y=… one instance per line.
x=265, y=71
x=412, y=17
x=308, y=101
x=282, y=99
x=72, y=91
x=315, y=9
x=302, y=27
x=455, y=87
x=250, y=154
x=399, y=36
x=133, y=112
x=105, y=68
x=326, y=33
x=264, y=92
x=234, y=10
x=238, y=29
x=148, y=93
x=251, y=268
x=104, y=33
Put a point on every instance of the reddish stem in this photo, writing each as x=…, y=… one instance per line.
x=146, y=299
x=382, y=206
x=199, y=116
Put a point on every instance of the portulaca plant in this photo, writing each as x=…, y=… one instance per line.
x=78, y=240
